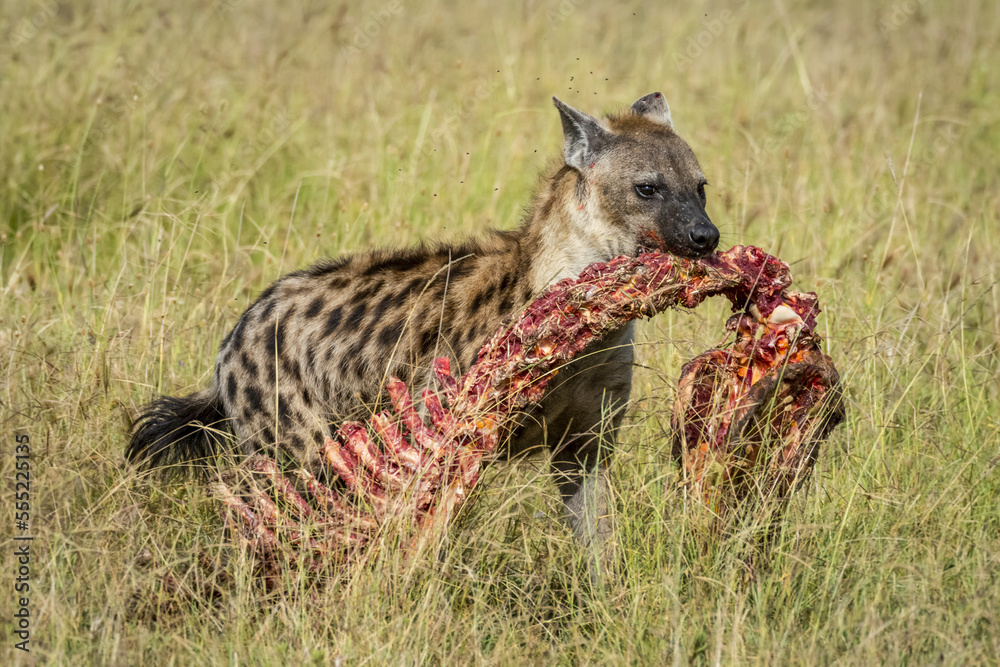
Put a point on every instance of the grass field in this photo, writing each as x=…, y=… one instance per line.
x=161, y=165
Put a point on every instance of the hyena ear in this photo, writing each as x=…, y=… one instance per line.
x=654, y=107
x=584, y=136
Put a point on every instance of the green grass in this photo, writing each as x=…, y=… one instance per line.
x=161, y=165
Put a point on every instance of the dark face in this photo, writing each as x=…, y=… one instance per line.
x=652, y=187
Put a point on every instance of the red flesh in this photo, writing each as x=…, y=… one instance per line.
x=403, y=468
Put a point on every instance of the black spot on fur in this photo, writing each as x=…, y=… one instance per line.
x=427, y=340
x=506, y=305
x=292, y=368
x=286, y=415
x=268, y=338
x=405, y=261
x=254, y=398
x=298, y=444
x=390, y=334
x=369, y=331
x=248, y=364
x=315, y=307
x=268, y=435
x=357, y=315
x=400, y=299
x=366, y=292
x=231, y=387
x=266, y=301
x=477, y=303
x=267, y=309
x=324, y=267
x=276, y=338
x=357, y=350
x=235, y=337
x=266, y=294
x=338, y=283
x=391, y=302
x=317, y=436
x=333, y=321
x=460, y=269
x=415, y=286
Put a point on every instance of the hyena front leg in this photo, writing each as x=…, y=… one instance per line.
x=581, y=422
x=580, y=463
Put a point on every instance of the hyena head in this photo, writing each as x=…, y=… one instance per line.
x=639, y=185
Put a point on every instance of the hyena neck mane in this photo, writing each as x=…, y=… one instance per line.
x=558, y=236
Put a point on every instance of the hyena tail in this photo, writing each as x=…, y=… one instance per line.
x=186, y=430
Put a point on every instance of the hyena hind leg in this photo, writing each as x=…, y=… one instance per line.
x=286, y=427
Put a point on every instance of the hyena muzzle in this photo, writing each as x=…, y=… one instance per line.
x=317, y=346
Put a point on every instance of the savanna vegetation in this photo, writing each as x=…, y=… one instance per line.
x=162, y=162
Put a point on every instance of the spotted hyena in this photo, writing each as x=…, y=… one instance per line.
x=317, y=346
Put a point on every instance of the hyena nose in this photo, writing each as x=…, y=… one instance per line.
x=704, y=238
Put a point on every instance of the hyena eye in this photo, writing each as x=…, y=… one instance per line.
x=645, y=190
x=701, y=193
